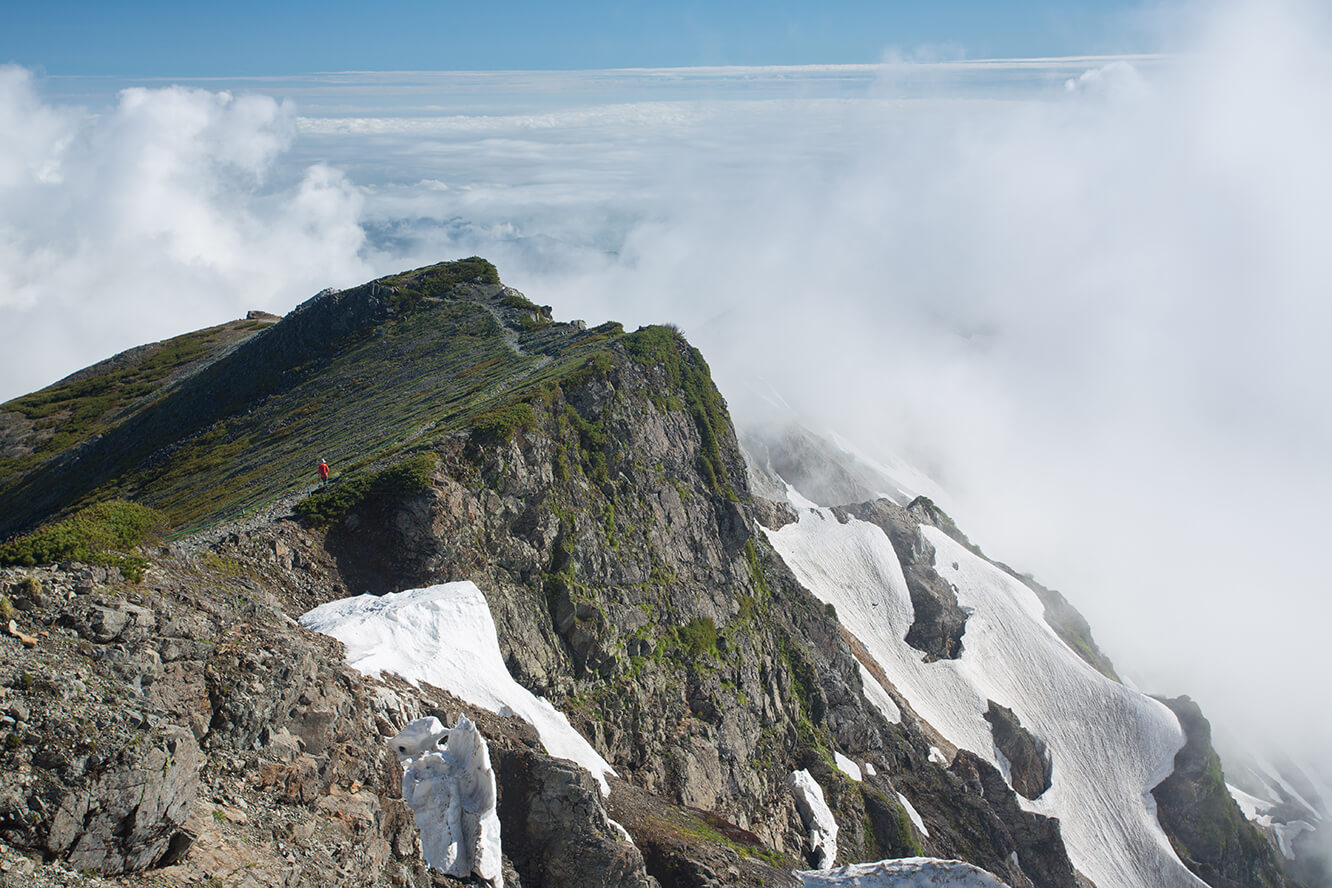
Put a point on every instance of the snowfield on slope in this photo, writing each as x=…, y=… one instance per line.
x=445, y=635
x=1110, y=745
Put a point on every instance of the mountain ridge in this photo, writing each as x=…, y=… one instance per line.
x=589, y=481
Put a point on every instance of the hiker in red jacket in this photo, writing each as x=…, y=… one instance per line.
x=323, y=470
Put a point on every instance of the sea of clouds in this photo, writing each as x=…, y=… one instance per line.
x=1089, y=296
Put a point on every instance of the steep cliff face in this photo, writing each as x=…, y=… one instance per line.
x=615, y=538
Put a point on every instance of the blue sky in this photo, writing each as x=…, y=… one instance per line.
x=249, y=38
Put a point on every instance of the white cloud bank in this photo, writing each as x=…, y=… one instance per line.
x=1091, y=297
x=157, y=216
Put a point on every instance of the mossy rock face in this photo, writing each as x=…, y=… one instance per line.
x=1206, y=826
x=683, y=845
x=685, y=372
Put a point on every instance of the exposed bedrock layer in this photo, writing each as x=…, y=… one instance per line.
x=1028, y=757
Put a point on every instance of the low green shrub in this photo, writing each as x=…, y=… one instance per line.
x=326, y=507
x=514, y=299
x=699, y=637
x=593, y=443
x=597, y=365
x=501, y=423
x=105, y=534
x=437, y=281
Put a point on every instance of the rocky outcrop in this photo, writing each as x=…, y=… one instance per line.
x=925, y=511
x=556, y=829
x=1035, y=839
x=1029, y=764
x=1205, y=825
x=126, y=812
x=105, y=786
x=175, y=723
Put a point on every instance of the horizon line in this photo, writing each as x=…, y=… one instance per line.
x=830, y=67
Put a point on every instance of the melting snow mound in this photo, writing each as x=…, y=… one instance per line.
x=448, y=783
x=848, y=767
x=910, y=872
x=444, y=635
x=816, y=816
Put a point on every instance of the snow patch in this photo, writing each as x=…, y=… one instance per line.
x=848, y=767
x=909, y=872
x=1004, y=765
x=623, y=833
x=1254, y=808
x=876, y=694
x=937, y=756
x=816, y=817
x=1287, y=833
x=913, y=814
x=445, y=635
x=1288, y=789
x=869, y=769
